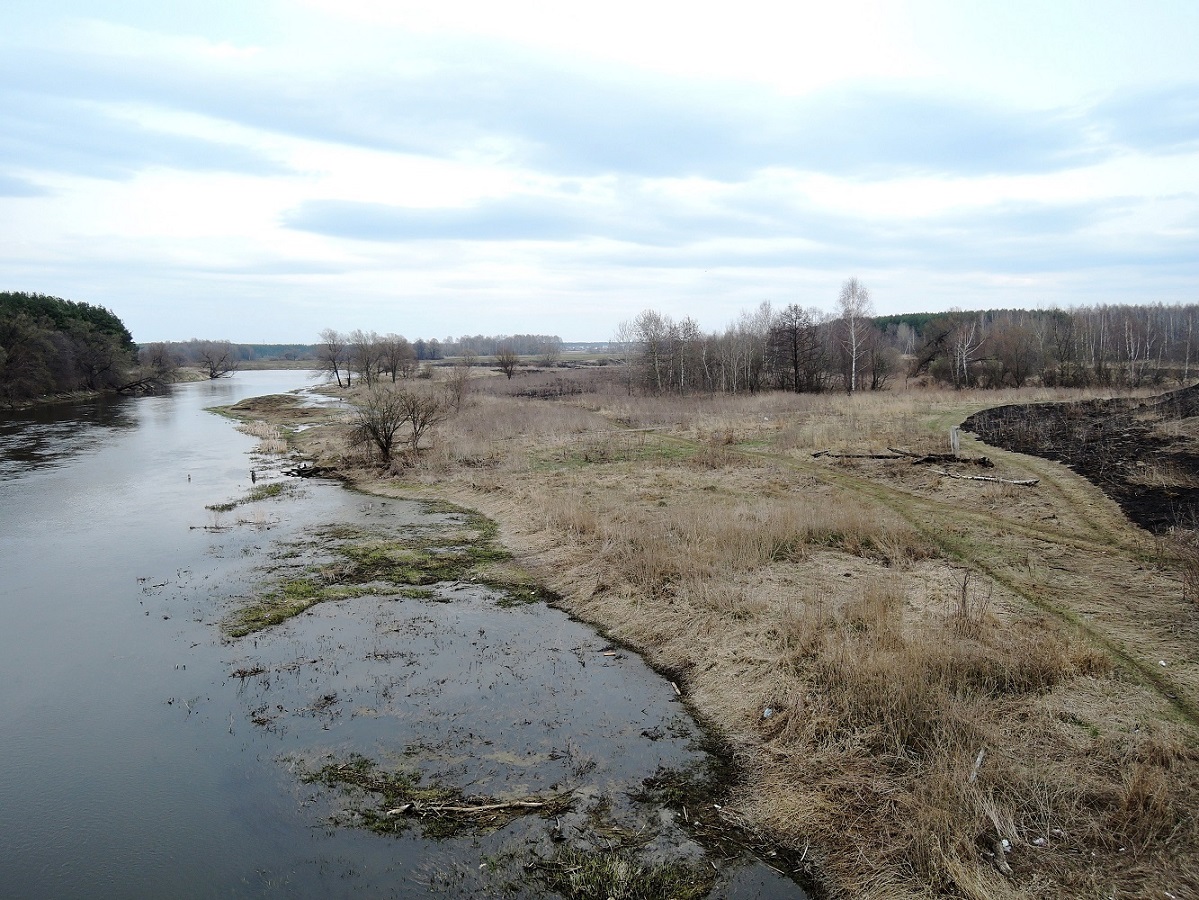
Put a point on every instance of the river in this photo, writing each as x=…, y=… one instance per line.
x=136, y=762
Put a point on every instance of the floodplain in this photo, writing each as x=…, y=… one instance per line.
x=936, y=677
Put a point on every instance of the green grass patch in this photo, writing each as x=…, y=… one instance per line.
x=290, y=599
x=355, y=561
x=256, y=493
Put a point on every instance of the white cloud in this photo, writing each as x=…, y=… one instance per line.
x=557, y=167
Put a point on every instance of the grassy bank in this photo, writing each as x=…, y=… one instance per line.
x=934, y=686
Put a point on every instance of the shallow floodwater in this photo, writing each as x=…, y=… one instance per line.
x=141, y=755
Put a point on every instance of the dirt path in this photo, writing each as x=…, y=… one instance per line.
x=1087, y=566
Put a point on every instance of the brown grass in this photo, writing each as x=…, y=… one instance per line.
x=934, y=657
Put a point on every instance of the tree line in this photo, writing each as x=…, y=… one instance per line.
x=792, y=348
x=370, y=357
x=1101, y=345
x=808, y=350
x=49, y=345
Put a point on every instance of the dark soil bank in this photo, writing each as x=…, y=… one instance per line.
x=1144, y=454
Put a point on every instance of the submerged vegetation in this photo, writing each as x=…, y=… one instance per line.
x=583, y=874
x=399, y=800
x=353, y=562
x=256, y=494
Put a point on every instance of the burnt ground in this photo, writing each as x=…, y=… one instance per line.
x=1143, y=453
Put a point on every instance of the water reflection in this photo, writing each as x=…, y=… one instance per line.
x=50, y=435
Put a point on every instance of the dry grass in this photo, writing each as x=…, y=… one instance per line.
x=921, y=710
x=270, y=437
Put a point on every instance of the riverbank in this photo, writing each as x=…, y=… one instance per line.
x=633, y=791
x=932, y=685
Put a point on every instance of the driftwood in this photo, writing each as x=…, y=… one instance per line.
x=1023, y=482
x=306, y=471
x=421, y=809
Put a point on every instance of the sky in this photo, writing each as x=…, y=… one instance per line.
x=259, y=171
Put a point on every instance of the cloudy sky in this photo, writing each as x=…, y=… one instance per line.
x=261, y=170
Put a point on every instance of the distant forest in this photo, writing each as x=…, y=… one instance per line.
x=49, y=346
x=807, y=350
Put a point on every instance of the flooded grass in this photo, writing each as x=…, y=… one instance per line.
x=400, y=800
x=353, y=561
x=255, y=494
x=618, y=875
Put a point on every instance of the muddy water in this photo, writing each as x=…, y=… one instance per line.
x=136, y=763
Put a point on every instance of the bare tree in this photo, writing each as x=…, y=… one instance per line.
x=331, y=354
x=967, y=341
x=364, y=354
x=795, y=350
x=159, y=359
x=549, y=351
x=653, y=339
x=623, y=344
x=385, y=413
x=217, y=359
x=856, y=310
x=396, y=357
x=378, y=420
x=424, y=409
x=458, y=382
x=507, y=359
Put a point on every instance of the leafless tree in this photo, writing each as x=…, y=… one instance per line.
x=653, y=330
x=507, y=359
x=795, y=350
x=364, y=352
x=549, y=351
x=217, y=358
x=159, y=359
x=856, y=310
x=396, y=357
x=385, y=414
x=623, y=345
x=458, y=383
x=331, y=354
x=424, y=410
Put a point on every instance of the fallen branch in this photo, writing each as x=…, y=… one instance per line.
x=306, y=471
x=831, y=455
x=978, y=761
x=1023, y=482
x=918, y=458
x=445, y=809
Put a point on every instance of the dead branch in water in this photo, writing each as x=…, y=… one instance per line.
x=416, y=808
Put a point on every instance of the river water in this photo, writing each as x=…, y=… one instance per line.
x=137, y=757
